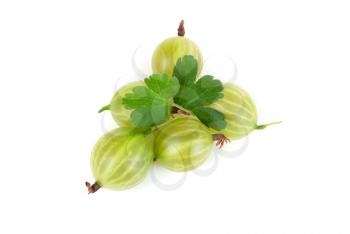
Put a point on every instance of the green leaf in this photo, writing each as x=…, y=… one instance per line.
x=209, y=90
x=195, y=95
x=210, y=117
x=162, y=85
x=185, y=70
x=150, y=104
x=204, y=92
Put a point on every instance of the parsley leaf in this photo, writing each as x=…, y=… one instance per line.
x=204, y=92
x=160, y=84
x=211, y=117
x=194, y=96
x=186, y=70
x=151, y=104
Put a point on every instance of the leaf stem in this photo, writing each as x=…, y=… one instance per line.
x=266, y=125
x=106, y=107
x=181, y=29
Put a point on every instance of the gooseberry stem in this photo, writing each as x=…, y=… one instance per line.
x=106, y=107
x=181, y=29
x=92, y=188
x=266, y=125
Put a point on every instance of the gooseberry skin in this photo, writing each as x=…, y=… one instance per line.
x=121, y=158
x=239, y=110
x=182, y=144
x=120, y=114
x=170, y=50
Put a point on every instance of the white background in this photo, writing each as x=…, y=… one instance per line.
x=60, y=61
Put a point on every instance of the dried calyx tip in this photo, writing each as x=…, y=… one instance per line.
x=220, y=139
x=92, y=188
x=181, y=29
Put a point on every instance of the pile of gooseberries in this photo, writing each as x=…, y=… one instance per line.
x=185, y=138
